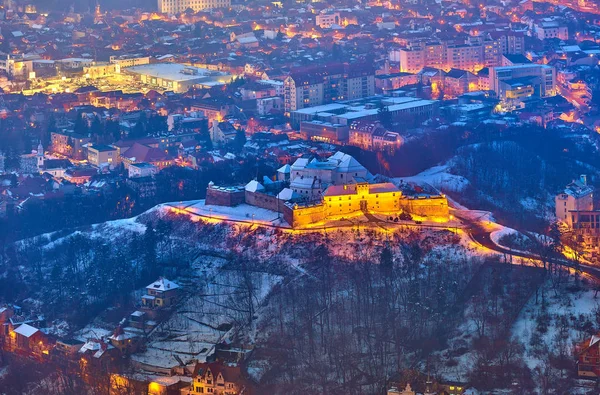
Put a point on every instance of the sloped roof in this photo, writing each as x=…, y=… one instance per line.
x=287, y=194
x=26, y=330
x=254, y=186
x=345, y=162
x=162, y=284
x=284, y=169
x=143, y=153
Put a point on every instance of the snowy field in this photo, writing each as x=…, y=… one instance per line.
x=438, y=177
x=565, y=311
x=242, y=212
x=215, y=311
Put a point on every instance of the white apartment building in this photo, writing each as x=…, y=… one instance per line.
x=178, y=6
x=17, y=65
x=553, y=29
x=327, y=84
x=122, y=62
x=324, y=21
x=445, y=57
x=520, y=81
x=577, y=196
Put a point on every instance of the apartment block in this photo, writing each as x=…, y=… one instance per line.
x=178, y=6
x=515, y=83
x=327, y=84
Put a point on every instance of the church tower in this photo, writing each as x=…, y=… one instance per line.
x=40, y=156
x=97, y=14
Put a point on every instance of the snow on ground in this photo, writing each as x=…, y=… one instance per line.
x=530, y=204
x=499, y=234
x=440, y=178
x=205, y=318
x=91, y=332
x=242, y=212
x=121, y=226
x=571, y=305
x=457, y=364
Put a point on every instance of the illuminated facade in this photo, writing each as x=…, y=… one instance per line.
x=514, y=83
x=69, y=144
x=324, y=21
x=217, y=379
x=575, y=208
x=552, y=29
x=309, y=178
x=178, y=6
x=335, y=188
x=327, y=84
x=341, y=201
x=324, y=131
x=99, y=155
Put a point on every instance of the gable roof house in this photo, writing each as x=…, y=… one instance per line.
x=142, y=153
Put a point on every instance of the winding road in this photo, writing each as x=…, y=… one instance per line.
x=483, y=237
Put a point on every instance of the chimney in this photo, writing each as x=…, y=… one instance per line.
x=583, y=179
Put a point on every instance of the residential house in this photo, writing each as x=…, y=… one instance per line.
x=577, y=196
x=102, y=155
x=69, y=144
x=80, y=175
x=125, y=340
x=373, y=136
x=222, y=132
x=161, y=293
x=588, y=358
x=141, y=169
x=138, y=153
x=457, y=82
x=218, y=379
x=28, y=339
x=96, y=356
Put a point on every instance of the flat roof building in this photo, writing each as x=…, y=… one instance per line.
x=364, y=109
x=177, y=77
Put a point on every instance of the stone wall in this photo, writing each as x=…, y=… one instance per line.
x=302, y=216
x=434, y=206
x=224, y=196
x=263, y=200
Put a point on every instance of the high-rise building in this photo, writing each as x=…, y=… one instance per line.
x=577, y=196
x=328, y=84
x=178, y=6
x=515, y=83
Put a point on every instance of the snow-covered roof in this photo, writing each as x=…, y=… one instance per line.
x=287, y=194
x=162, y=284
x=284, y=169
x=345, y=162
x=303, y=182
x=96, y=346
x=26, y=330
x=123, y=336
x=254, y=186
x=299, y=164
x=267, y=180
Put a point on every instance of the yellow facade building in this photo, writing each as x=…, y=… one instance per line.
x=341, y=201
